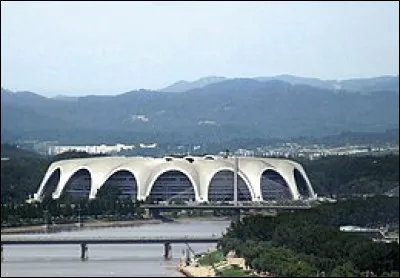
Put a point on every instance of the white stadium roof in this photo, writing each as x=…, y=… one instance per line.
x=199, y=170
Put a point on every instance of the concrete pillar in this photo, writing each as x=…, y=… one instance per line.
x=167, y=251
x=84, y=252
x=236, y=216
x=187, y=260
x=147, y=213
x=155, y=213
x=183, y=256
x=2, y=258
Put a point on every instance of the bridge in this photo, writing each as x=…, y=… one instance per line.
x=83, y=242
x=227, y=207
x=237, y=208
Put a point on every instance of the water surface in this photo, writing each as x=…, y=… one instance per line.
x=109, y=260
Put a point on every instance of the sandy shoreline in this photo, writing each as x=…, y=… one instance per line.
x=196, y=271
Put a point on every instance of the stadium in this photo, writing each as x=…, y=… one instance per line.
x=196, y=179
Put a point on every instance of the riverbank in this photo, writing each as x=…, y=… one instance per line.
x=231, y=267
x=76, y=226
x=93, y=224
x=214, y=264
x=196, y=271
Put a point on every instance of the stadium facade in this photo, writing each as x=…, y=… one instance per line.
x=200, y=179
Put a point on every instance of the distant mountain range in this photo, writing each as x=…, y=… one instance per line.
x=212, y=110
x=183, y=86
x=390, y=83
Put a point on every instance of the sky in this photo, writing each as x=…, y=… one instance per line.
x=107, y=48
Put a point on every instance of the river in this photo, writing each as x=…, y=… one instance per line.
x=143, y=260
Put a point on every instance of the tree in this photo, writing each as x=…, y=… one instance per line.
x=346, y=270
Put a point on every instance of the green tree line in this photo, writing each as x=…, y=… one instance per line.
x=309, y=243
x=349, y=175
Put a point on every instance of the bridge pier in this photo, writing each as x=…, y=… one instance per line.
x=167, y=251
x=154, y=213
x=236, y=216
x=84, y=252
x=147, y=213
x=187, y=259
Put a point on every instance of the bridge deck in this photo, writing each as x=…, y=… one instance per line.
x=239, y=207
x=12, y=240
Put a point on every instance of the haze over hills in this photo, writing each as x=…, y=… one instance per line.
x=354, y=84
x=183, y=86
x=219, y=111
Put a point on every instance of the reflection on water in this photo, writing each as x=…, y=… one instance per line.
x=109, y=260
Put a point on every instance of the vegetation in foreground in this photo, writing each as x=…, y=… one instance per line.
x=309, y=243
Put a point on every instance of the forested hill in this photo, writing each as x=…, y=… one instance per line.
x=12, y=151
x=347, y=175
x=237, y=108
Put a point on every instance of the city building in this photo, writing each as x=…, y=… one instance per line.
x=94, y=149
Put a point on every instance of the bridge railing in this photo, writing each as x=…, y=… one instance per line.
x=284, y=203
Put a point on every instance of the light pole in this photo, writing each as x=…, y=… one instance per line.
x=235, y=182
x=46, y=217
x=79, y=215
